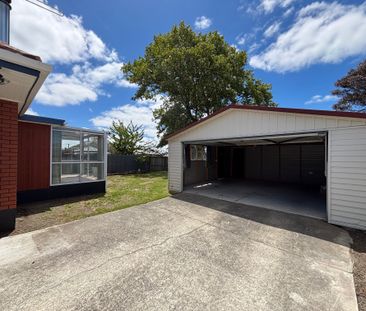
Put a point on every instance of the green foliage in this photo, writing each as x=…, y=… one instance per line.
x=126, y=139
x=255, y=92
x=352, y=90
x=196, y=74
x=129, y=140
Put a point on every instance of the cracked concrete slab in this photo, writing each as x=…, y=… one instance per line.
x=185, y=252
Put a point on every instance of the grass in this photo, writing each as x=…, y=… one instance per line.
x=122, y=191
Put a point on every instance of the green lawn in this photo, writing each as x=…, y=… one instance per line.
x=122, y=191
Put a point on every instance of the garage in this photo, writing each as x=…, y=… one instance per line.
x=307, y=162
x=285, y=173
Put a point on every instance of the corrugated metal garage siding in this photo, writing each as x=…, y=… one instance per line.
x=293, y=163
x=290, y=163
x=270, y=163
x=347, y=177
x=253, y=162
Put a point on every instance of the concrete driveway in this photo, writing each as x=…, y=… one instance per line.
x=181, y=253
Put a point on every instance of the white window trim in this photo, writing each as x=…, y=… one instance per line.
x=81, y=131
x=196, y=157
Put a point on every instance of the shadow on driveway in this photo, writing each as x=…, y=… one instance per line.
x=291, y=222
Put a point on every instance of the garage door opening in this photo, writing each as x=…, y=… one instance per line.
x=285, y=173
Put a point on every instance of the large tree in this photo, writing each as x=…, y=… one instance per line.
x=352, y=90
x=195, y=74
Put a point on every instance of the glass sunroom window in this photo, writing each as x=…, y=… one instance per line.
x=77, y=156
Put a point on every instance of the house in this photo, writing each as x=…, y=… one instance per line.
x=40, y=158
x=308, y=162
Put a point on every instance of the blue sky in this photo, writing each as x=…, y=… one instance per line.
x=300, y=47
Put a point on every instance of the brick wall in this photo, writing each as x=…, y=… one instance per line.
x=8, y=163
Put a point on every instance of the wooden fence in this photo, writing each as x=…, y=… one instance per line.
x=129, y=164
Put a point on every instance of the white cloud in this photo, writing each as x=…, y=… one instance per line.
x=272, y=30
x=288, y=12
x=107, y=73
x=202, y=22
x=235, y=47
x=31, y=112
x=247, y=39
x=322, y=33
x=139, y=113
x=83, y=84
x=61, y=90
x=54, y=38
x=269, y=5
x=241, y=39
x=318, y=99
x=124, y=83
x=64, y=40
x=253, y=47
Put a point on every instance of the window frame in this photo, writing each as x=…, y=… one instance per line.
x=195, y=150
x=103, y=162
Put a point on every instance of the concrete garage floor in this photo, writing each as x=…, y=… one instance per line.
x=285, y=198
x=186, y=252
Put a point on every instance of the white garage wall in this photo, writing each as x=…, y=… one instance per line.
x=175, y=167
x=347, y=177
x=246, y=123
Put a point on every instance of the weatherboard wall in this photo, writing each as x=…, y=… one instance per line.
x=246, y=123
x=33, y=156
x=175, y=166
x=347, y=177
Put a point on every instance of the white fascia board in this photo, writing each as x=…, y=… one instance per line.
x=44, y=71
x=79, y=129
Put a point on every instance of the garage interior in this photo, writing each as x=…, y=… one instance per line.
x=284, y=173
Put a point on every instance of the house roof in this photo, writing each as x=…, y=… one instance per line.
x=39, y=119
x=356, y=115
x=23, y=74
x=9, y=48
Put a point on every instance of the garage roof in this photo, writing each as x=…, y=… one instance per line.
x=356, y=115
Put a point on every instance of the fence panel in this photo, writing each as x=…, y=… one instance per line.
x=128, y=164
x=158, y=164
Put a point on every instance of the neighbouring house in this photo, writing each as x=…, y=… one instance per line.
x=40, y=158
x=308, y=162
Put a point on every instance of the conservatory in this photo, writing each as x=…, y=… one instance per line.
x=77, y=156
x=57, y=161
